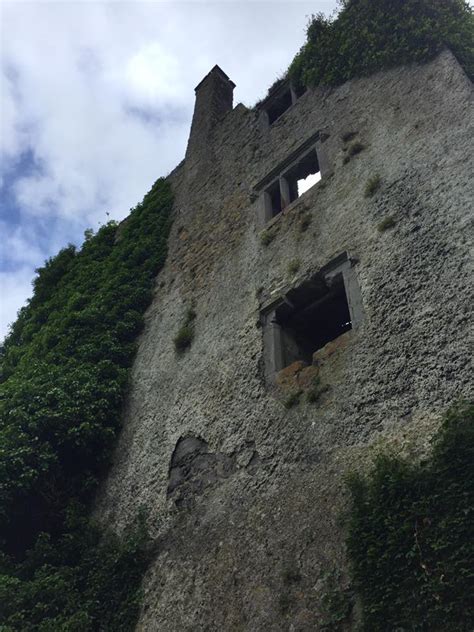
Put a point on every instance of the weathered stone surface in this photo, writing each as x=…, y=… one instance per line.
x=263, y=491
x=308, y=376
x=287, y=378
x=335, y=346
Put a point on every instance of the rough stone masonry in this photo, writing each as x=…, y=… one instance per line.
x=242, y=475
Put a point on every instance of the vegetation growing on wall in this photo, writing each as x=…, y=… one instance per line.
x=64, y=371
x=371, y=35
x=411, y=536
x=185, y=336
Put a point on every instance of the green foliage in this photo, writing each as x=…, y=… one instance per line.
x=316, y=390
x=370, y=35
x=292, y=400
x=64, y=371
x=411, y=535
x=353, y=149
x=336, y=602
x=348, y=136
x=386, y=223
x=293, y=266
x=305, y=222
x=266, y=237
x=183, y=338
x=185, y=335
x=85, y=580
x=372, y=186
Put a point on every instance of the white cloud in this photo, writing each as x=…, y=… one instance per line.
x=15, y=288
x=152, y=76
x=101, y=94
x=17, y=247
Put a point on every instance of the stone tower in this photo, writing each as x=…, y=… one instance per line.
x=329, y=323
x=214, y=95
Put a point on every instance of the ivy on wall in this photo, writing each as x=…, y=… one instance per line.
x=411, y=536
x=64, y=372
x=371, y=35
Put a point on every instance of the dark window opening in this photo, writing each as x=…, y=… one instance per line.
x=279, y=106
x=303, y=175
x=311, y=316
x=275, y=198
x=299, y=91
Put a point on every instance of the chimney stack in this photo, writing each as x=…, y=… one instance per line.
x=214, y=97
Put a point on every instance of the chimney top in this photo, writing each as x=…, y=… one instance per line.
x=218, y=72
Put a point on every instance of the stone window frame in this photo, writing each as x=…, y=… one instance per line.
x=266, y=105
x=277, y=175
x=273, y=345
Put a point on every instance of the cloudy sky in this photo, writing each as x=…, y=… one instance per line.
x=96, y=100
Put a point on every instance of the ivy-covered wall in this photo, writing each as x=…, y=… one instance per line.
x=371, y=35
x=64, y=375
x=411, y=535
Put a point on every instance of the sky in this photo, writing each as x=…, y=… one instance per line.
x=96, y=100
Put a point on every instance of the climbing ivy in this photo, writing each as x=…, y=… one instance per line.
x=411, y=536
x=64, y=371
x=371, y=35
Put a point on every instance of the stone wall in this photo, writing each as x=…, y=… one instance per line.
x=244, y=494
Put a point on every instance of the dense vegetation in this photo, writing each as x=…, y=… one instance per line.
x=370, y=35
x=411, y=538
x=64, y=371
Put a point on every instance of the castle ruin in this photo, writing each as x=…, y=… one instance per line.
x=328, y=324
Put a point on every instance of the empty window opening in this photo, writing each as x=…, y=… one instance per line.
x=279, y=106
x=306, y=183
x=311, y=316
x=274, y=199
x=299, y=90
x=303, y=175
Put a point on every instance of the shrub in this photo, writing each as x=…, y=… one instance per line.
x=293, y=266
x=184, y=338
x=87, y=580
x=411, y=539
x=348, y=136
x=371, y=35
x=355, y=148
x=190, y=315
x=185, y=335
x=317, y=389
x=292, y=399
x=266, y=237
x=373, y=185
x=305, y=222
x=385, y=224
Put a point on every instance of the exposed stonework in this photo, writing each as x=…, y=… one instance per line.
x=244, y=494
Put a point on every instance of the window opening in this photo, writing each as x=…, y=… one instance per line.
x=311, y=316
x=274, y=197
x=279, y=106
x=306, y=183
x=299, y=90
x=303, y=175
